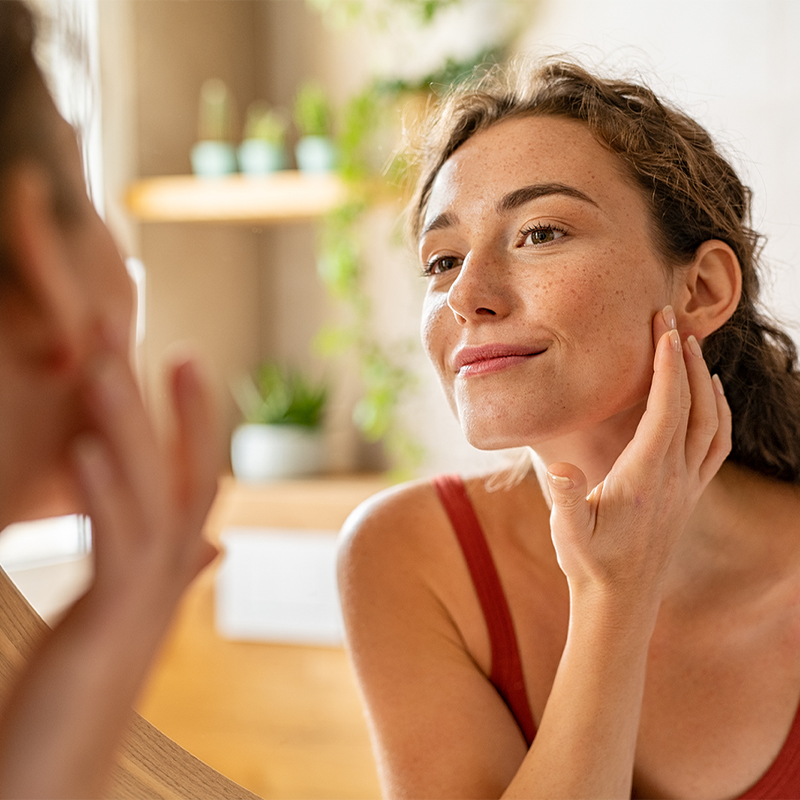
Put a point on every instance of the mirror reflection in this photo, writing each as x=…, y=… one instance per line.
x=325, y=579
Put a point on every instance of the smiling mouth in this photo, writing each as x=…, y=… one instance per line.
x=487, y=362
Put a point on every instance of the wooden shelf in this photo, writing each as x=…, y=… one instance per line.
x=281, y=197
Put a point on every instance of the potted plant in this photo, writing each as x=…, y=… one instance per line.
x=263, y=149
x=281, y=436
x=315, y=150
x=214, y=154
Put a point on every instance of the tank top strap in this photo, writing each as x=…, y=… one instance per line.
x=506, y=673
x=782, y=779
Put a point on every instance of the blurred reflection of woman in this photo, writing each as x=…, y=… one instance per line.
x=624, y=620
x=74, y=436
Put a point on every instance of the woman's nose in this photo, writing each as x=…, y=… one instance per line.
x=479, y=290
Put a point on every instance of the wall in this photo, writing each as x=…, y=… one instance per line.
x=239, y=294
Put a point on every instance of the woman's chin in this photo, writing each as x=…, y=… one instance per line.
x=493, y=439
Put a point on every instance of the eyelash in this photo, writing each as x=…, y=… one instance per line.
x=430, y=267
x=528, y=230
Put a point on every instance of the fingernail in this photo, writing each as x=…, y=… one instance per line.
x=560, y=481
x=669, y=317
x=675, y=340
x=718, y=384
x=694, y=346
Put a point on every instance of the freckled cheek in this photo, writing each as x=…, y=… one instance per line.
x=433, y=328
x=600, y=312
x=438, y=340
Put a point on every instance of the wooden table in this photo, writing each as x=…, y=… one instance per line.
x=283, y=721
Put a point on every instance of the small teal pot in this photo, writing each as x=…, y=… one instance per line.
x=257, y=157
x=213, y=159
x=315, y=154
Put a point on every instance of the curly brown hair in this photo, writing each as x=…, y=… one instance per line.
x=694, y=195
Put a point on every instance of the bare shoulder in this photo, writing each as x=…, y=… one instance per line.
x=398, y=565
x=395, y=527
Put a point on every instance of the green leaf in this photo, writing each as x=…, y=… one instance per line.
x=283, y=396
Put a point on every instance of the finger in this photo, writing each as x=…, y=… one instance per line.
x=720, y=445
x=703, y=416
x=119, y=414
x=196, y=448
x=104, y=497
x=664, y=420
x=571, y=514
x=208, y=552
x=663, y=321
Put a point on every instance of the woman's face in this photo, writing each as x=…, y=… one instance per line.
x=93, y=254
x=96, y=297
x=543, y=279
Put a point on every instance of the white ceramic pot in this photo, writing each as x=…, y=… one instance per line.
x=213, y=159
x=257, y=157
x=315, y=154
x=271, y=452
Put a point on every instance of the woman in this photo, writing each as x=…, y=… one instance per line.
x=74, y=436
x=625, y=619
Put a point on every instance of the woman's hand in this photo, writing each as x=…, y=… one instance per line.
x=64, y=719
x=147, y=503
x=621, y=536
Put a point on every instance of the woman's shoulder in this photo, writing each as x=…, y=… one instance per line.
x=408, y=523
x=394, y=523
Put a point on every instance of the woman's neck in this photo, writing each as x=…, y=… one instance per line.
x=593, y=450
x=744, y=523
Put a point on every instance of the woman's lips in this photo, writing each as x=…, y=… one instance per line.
x=492, y=358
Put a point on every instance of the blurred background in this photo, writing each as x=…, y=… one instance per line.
x=306, y=270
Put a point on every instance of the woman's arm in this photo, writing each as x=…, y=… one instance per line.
x=439, y=727
x=62, y=722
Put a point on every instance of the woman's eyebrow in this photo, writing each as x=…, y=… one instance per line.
x=527, y=193
x=444, y=220
x=513, y=200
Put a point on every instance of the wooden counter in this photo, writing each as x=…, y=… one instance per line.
x=283, y=721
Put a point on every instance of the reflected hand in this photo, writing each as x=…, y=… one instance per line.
x=148, y=503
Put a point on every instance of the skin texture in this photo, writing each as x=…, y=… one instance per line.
x=652, y=589
x=75, y=436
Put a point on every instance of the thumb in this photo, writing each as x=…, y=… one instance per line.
x=571, y=510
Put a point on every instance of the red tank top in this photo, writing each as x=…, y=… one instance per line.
x=780, y=781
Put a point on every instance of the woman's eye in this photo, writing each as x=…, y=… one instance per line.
x=440, y=264
x=541, y=234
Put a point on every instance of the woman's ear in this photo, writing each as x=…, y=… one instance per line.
x=709, y=289
x=41, y=304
